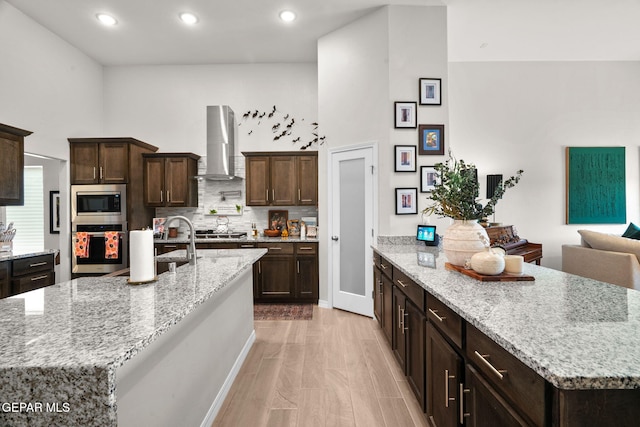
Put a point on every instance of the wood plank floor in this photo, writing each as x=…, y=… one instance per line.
x=334, y=370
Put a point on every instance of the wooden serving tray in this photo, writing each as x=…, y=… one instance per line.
x=503, y=277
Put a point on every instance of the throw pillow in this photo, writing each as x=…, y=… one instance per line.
x=632, y=232
x=610, y=242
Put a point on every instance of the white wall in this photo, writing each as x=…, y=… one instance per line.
x=52, y=89
x=507, y=116
x=166, y=105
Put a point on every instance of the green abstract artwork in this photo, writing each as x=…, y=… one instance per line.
x=595, y=189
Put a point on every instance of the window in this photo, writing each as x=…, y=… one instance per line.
x=28, y=220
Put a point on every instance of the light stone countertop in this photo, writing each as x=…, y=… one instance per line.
x=9, y=256
x=64, y=342
x=576, y=333
x=260, y=239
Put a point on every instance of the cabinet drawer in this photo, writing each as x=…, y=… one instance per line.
x=36, y=281
x=410, y=288
x=306, y=248
x=386, y=268
x=32, y=265
x=166, y=248
x=277, y=248
x=376, y=259
x=445, y=319
x=513, y=379
x=246, y=245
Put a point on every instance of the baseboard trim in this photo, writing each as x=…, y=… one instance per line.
x=323, y=304
x=224, y=391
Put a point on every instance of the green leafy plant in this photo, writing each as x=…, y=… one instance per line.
x=238, y=208
x=456, y=194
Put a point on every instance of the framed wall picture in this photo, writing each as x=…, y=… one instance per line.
x=428, y=179
x=430, y=91
x=405, y=158
x=405, y=115
x=406, y=201
x=54, y=212
x=431, y=140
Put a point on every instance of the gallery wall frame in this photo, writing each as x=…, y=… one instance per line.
x=405, y=158
x=431, y=140
x=428, y=179
x=405, y=114
x=406, y=201
x=430, y=91
x=595, y=185
x=54, y=212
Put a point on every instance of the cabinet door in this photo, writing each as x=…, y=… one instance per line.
x=283, y=181
x=444, y=374
x=257, y=181
x=276, y=281
x=5, y=282
x=307, y=171
x=415, y=324
x=399, y=344
x=307, y=277
x=387, y=308
x=177, y=181
x=84, y=163
x=11, y=169
x=114, y=162
x=484, y=406
x=377, y=294
x=153, y=179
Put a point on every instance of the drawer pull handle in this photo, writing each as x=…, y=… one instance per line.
x=37, y=264
x=435, y=313
x=246, y=246
x=400, y=283
x=463, y=414
x=275, y=249
x=306, y=248
x=447, y=399
x=399, y=317
x=404, y=321
x=384, y=267
x=33, y=279
x=483, y=357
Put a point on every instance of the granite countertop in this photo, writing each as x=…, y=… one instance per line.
x=9, y=256
x=73, y=335
x=577, y=333
x=260, y=239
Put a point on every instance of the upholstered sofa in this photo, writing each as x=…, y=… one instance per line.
x=605, y=257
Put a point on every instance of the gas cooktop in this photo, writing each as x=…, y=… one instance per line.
x=213, y=234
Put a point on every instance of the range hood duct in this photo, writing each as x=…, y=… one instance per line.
x=221, y=133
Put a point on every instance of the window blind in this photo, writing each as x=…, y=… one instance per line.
x=28, y=220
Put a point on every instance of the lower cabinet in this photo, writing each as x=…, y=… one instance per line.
x=32, y=273
x=5, y=279
x=287, y=273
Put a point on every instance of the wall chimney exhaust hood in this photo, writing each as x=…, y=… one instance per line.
x=221, y=133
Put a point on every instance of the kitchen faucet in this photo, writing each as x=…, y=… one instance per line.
x=191, y=249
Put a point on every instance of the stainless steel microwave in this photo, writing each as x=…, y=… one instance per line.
x=99, y=204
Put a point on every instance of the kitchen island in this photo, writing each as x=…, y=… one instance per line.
x=578, y=338
x=101, y=352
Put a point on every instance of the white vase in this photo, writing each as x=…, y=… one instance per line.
x=487, y=262
x=462, y=239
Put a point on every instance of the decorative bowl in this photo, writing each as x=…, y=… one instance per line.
x=272, y=233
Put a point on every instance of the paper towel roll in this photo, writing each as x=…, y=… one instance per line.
x=142, y=264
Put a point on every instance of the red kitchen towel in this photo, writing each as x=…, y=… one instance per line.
x=82, y=244
x=111, y=241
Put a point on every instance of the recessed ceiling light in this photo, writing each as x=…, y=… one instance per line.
x=287, y=15
x=188, y=18
x=106, y=19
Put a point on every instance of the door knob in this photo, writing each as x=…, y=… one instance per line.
x=334, y=238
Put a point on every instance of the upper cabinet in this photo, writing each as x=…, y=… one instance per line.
x=103, y=160
x=281, y=178
x=12, y=165
x=169, y=179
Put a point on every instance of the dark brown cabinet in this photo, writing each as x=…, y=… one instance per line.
x=287, y=273
x=169, y=179
x=281, y=179
x=5, y=279
x=99, y=162
x=399, y=340
x=383, y=295
x=32, y=273
x=12, y=165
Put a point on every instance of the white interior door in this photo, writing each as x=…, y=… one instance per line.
x=351, y=229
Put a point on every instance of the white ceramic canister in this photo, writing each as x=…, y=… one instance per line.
x=487, y=262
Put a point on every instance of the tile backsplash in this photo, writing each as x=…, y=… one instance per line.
x=210, y=197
